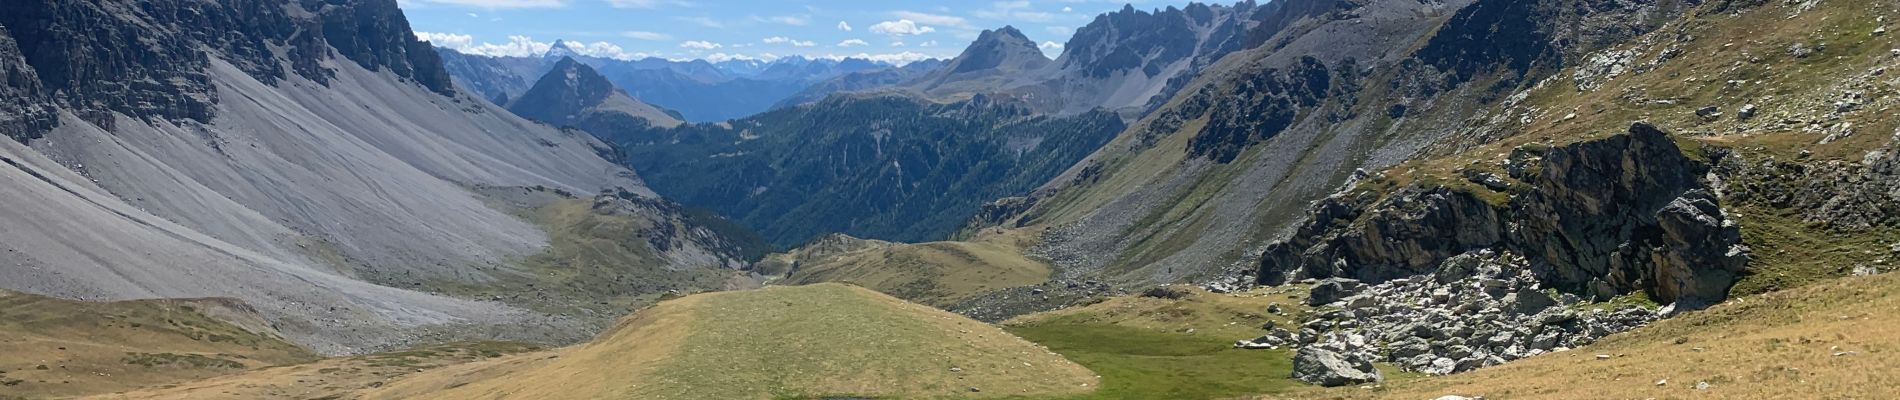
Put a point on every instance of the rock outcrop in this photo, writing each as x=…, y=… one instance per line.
x=22, y=116
x=1598, y=218
x=1849, y=195
x=143, y=59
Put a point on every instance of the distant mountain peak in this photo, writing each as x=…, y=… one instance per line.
x=573, y=93
x=1008, y=33
x=1002, y=48
x=560, y=49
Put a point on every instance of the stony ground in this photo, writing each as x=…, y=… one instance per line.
x=1834, y=339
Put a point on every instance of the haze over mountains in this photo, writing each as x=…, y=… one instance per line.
x=258, y=199
x=699, y=90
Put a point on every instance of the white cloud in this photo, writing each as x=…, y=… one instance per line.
x=852, y=42
x=844, y=26
x=900, y=28
x=649, y=4
x=644, y=35
x=700, y=44
x=448, y=40
x=899, y=43
x=1050, y=46
x=928, y=43
x=496, y=3
x=523, y=46
x=933, y=19
x=1068, y=9
x=790, y=41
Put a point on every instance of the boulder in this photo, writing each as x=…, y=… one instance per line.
x=1530, y=301
x=1328, y=368
x=1332, y=290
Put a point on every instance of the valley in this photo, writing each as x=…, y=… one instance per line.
x=1304, y=199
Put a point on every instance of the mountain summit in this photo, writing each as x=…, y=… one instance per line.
x=997, y=59
x=572, y=93
x=560, y=50
x=1001, y=49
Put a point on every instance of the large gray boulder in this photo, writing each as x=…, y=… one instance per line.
x=1328, y=368
x=1332, y=290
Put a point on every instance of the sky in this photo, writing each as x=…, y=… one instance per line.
x=896, y=31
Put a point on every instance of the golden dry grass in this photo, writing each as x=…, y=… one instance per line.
x=935, y=273
x=59, y=348
x=778, y=342
x=1834, y=340
x=333, y=378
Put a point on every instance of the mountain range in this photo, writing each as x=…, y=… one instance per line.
x=1538, y=198
x=699, y=90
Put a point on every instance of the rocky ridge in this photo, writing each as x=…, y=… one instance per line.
x=141, y=59
x=1626, y=213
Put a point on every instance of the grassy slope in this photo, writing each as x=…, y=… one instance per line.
x=329, y=378
x=814, y=340
x=595, y=261
x=935, y=273
x=89, y=348
x=1151, y=348
x=1769, y=346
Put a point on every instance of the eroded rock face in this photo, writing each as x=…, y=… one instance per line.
x=1598, y=218
x=22, y=117
x=147, y=59
x=1840, y=194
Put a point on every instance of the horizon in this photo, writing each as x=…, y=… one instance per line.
x=895, y=33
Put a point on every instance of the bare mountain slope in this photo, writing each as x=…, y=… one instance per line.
x=313, y=158
x=1199, y=187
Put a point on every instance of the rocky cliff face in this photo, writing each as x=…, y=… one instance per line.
x=1850, y=195
x=23, y=116
x=1133, y=59
x=1598, y=218
x=141, y=58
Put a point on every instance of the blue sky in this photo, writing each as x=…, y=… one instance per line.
x=889, y=30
